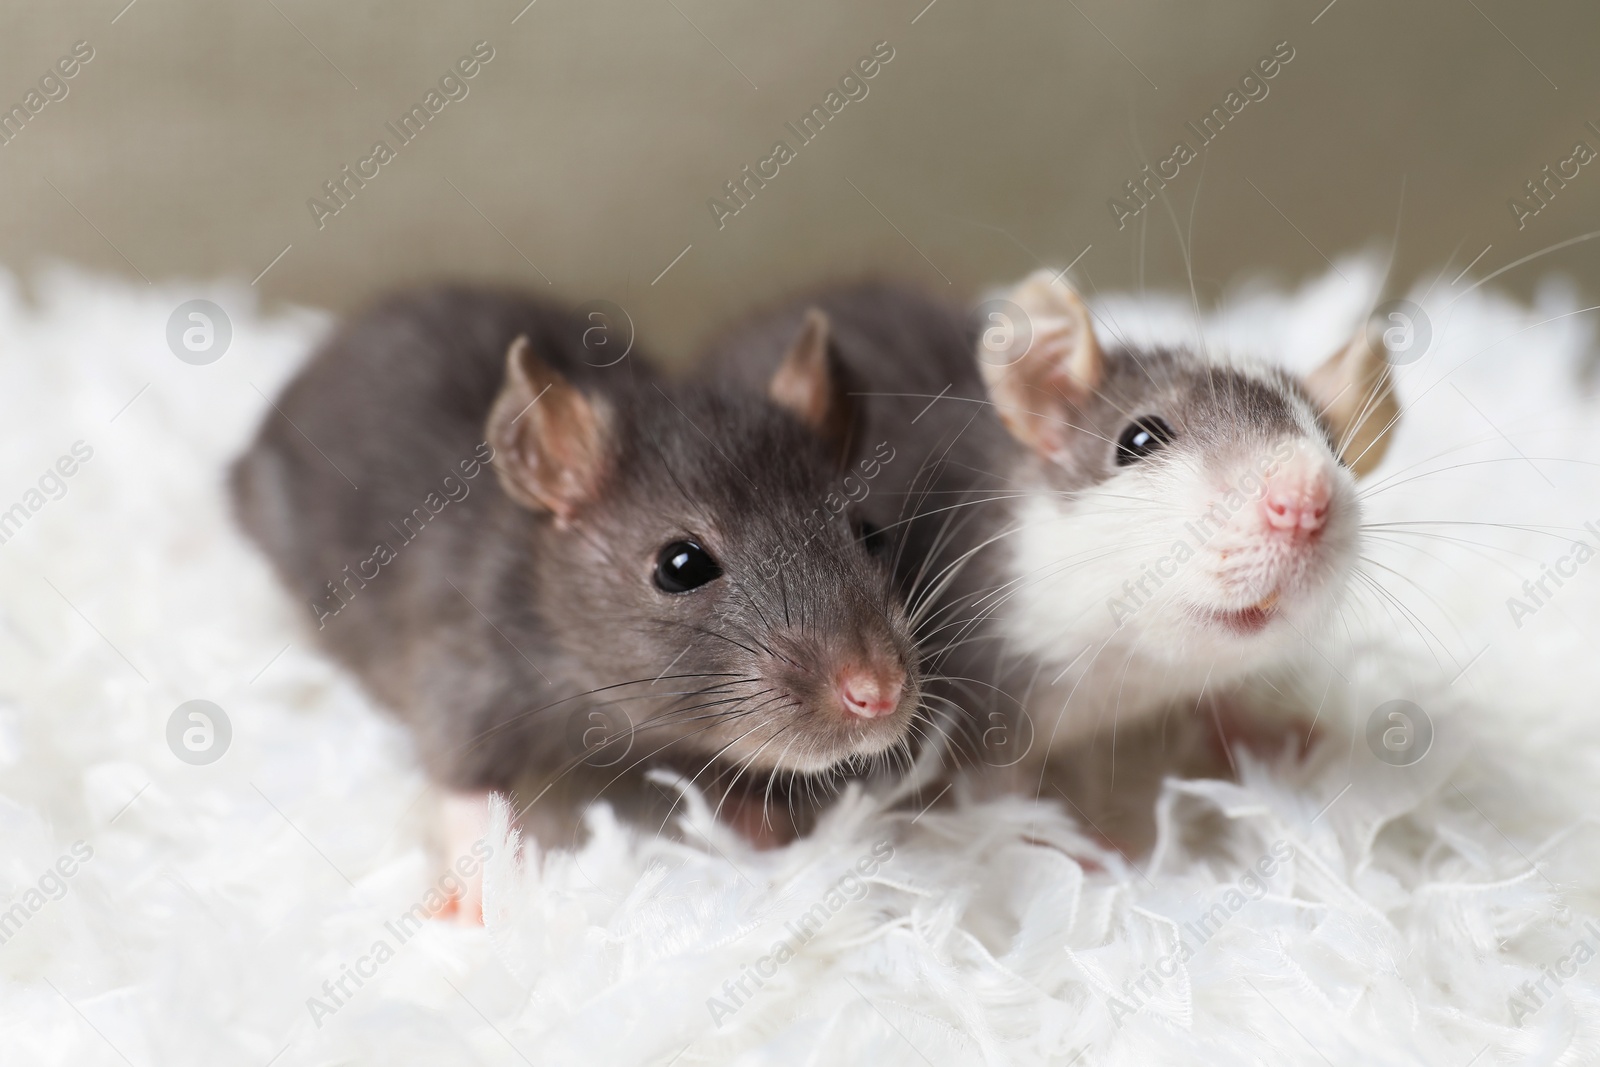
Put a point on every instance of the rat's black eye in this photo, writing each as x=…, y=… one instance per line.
x=871, y=537
x=684, y=565
x=1141, y=437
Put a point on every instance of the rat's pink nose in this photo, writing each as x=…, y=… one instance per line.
x=1296, y=500
x=870, y=694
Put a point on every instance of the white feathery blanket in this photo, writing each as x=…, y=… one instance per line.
x=1335, y=910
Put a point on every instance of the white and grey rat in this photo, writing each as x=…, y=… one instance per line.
x=607, y=602
x=1184, y=519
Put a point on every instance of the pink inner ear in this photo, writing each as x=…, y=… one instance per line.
x=804, y=382
x=551, y=441
x=804, y=391
x=1054, y=399
x=1353, y=390
x=1045, y=390
x=567, y=439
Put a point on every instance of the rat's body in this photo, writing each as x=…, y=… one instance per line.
x=591, y=604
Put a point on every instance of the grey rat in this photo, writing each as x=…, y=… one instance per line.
x=602, y=604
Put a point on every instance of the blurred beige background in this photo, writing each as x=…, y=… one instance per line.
x=586, y=150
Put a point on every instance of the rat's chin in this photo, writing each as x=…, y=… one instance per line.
x=1248, y=621
x=1296, y=607
x=877, y=739
x=842, y=750
x=830, y=761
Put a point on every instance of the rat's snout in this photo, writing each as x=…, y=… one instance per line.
x=850, y=697
x=871, y=693
x=1286, y=548
x=1296, y=500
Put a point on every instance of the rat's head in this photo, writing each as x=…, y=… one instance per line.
x=698, y=565
x=1200, y=511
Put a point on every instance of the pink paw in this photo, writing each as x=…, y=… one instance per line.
x=465, y=823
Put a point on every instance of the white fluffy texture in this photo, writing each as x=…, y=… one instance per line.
x=220, y=899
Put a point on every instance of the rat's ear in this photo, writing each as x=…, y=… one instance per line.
x=811, y=384
x=549, y=439
x=1353, y=391
x=1042, y=370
